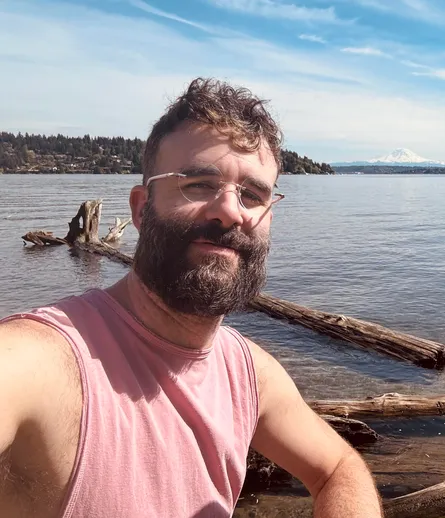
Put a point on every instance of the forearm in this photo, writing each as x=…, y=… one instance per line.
x=349, y=493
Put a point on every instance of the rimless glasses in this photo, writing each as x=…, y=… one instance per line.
x=204, y=184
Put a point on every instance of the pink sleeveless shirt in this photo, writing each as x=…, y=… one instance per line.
x=165, y=430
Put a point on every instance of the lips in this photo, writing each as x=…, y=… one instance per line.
x=212, y=243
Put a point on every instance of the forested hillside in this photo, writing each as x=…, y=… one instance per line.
x=100, y=155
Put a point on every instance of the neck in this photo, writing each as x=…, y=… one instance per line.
x=184, y=330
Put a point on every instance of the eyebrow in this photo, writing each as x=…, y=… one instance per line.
x=199, y=170
x=264, y=187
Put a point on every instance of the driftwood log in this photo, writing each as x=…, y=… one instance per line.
x=355, y=432
x=42, y=238
x=106, y=250
x=419, y=351
x=386, y=405
x=83, y=233
x=116, y=232
x=428, y=503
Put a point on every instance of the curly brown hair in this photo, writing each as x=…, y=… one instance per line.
x=234, y=112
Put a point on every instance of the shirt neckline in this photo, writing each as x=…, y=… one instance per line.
x=147, y=334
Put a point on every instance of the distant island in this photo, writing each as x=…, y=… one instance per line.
x=58, y=154
x=388, y=169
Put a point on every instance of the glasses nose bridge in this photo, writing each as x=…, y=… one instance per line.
x=236, y=190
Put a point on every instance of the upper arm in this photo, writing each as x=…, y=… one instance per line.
x=289, y=433
x=27, y=361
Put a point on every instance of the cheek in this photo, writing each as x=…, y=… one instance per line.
x=185, y=211
x=261, y=226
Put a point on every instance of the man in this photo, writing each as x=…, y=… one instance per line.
x=135, y=401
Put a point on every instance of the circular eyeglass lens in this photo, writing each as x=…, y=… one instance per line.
x=200, y=184
x=254, y=196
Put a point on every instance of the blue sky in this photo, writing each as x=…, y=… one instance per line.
x=347, y=79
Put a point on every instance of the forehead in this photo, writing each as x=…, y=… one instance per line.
x=201, y=144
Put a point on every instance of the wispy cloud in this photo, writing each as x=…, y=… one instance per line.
x=143, y=6
x=277, y=9
x=428, y=11
x=425, y=70
x=413, y=64
x=379, y=5
x=312, y=37
x=436, y=73
x=431, y=11
x=365, y=51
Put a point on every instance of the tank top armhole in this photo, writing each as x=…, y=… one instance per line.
x=254, y=393
x=76, y=477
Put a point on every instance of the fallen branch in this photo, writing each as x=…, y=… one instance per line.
x=105, y=250
x=115, y=233
x=419, y=351
x=43, y=238
x=393, y=404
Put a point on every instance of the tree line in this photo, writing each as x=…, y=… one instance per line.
x=296, y=164
x=28, y=153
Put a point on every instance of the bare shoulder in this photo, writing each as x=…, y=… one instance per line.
x=273, y=380
x=32, y=341
x=40, y=409
x=35, y=360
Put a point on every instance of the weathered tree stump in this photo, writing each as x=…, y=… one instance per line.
x=84, y=233
x=392, y=404
x=87, y=232
x=419, y=351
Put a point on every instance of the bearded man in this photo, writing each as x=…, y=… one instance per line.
x=135, y=401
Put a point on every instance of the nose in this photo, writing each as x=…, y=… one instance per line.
x=226, y=209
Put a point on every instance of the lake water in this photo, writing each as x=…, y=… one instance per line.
x=366, y=246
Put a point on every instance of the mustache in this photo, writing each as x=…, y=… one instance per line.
x=229, y=238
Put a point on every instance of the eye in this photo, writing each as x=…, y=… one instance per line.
x=251, y=198
x=203, y=184
x=199, y=184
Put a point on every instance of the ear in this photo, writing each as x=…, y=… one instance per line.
x=138, y=199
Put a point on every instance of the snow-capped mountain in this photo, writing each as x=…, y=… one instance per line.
x=403, y=156
x=399, y=157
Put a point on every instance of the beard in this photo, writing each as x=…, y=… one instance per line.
x=211, y=285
